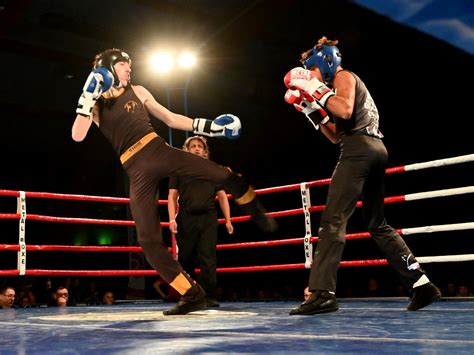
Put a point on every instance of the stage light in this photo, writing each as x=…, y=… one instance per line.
x=162, y=62
x=167, y=61
x=187, y=60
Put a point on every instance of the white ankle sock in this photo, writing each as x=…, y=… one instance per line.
x=423, y=280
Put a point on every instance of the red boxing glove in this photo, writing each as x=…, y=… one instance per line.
x=310, y=87
x=297, y=73
x=312, y=110
x=295, y=97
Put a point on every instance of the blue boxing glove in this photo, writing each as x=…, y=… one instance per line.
x=226, y=125
x=98, y=81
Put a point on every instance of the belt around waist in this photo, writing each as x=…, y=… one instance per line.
x=136, y=147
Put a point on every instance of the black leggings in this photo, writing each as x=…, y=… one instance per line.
x=359, y=172
x=145, y=169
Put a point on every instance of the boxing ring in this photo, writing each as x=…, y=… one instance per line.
x=359, y=326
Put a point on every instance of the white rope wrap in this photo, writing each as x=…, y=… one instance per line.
x=308, y=246
x=21, y=210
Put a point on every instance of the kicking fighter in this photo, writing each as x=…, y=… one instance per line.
x=122, y=113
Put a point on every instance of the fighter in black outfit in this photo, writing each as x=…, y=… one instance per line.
x=121, y=111
x=325, y=85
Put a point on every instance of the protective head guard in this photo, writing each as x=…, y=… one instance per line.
x=109, y=58
x=326, y=56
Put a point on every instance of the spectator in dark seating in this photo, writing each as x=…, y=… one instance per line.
x=108, y=298
x=60, y=298
x=7, y=297
x=92, y=295
x=463, y=291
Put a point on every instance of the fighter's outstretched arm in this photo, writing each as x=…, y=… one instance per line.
x=226, y=125
x=160, y=112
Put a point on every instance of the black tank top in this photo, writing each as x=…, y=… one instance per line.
x=123, y=120
x=365, y=117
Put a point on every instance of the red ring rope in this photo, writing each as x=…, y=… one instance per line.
x=23, y=248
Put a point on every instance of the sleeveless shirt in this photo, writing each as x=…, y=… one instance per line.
x=365, y=117
x=123, y=120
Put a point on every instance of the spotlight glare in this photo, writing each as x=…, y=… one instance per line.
x=187, y=60
x=161, y=62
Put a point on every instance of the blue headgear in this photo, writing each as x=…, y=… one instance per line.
x=109, y=58
x=327, y=59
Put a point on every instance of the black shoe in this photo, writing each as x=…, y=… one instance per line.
x=318, y=302
x=184, y=307
x=193, y=300
x=212, y=302
x=423, y=296
x=255, y=209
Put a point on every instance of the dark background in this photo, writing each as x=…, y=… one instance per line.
x=421, y=85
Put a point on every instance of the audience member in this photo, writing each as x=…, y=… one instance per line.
x=463, y=291
x=373, y=289
x=7, y=299
x=76, y=294
x=60, y=298
x=92, y=295
x=108, y=298
x=451, y=290
x=26, y=297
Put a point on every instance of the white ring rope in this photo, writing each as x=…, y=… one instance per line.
x=440, y=162
x=438, y=228
x=445, y=258
x=440, y=193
